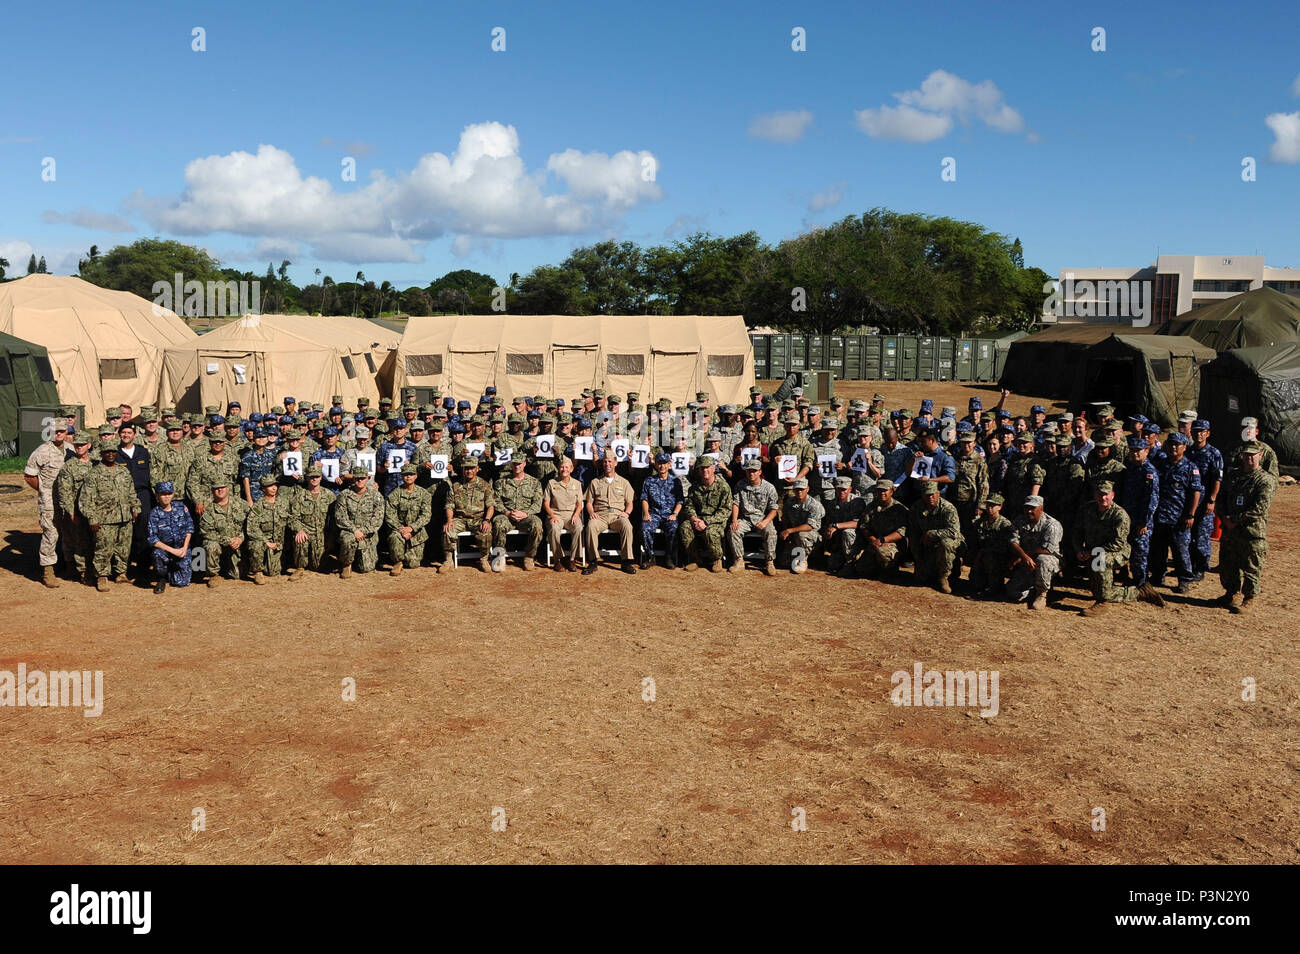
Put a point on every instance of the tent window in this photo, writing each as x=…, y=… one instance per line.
x=116, y=369
x=6, y=377
x=524, y=363
x=418, y=365
x=43, y=369
x=726, y=365
x=1162, y=369
x=370, y=363
x=633, y=364
x=348, y=366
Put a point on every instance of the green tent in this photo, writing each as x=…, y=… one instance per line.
x=26, y=379
x=1043, y=364
x=1262, y=383
x=1249, y=320
x=1154, y=375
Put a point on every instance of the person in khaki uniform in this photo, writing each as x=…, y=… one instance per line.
x=407, y=515
x=109, y=503
x=74, y=532
x=41, y=472
x=562, y=504
x=609, y=507
x=267, y=521
x=519, y=501
x=470, y=508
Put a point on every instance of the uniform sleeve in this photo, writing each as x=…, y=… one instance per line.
x=949, y=467
x=1254, y=515
x=816, y=514
x=375, y=516
x=391, y=516
x=253, y=526
x=426, y=510
x=722, y=515
x=155, y=516
x=88, y=500
x=343, y=511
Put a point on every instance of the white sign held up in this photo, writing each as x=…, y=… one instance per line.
x=923, y=468
x=366, y=459
x=787, y=466
x=438, y=466
x=641, y=456
x=584, y=448
x=681, y=463
x=291, y=464
x=545, y=444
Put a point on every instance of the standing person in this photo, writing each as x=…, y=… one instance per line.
x=1180, y=495
x=134, y=459
x=109, y=503
x=170, y=528
x=708, y=510
x=258, y=462
x=171, y=459
x=562, y=504
x=74, y=532
x=1139, y=496
x=662, y=500
x=1210, y=462
x=1244, y=544
x=609, y=507
x=41, y=472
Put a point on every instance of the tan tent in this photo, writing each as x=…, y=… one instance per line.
x=106, y=346
x=260, y=359
x=559, y=355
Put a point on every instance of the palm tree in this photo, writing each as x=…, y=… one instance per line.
x=384, y=289
x=4, y=263
x=361, y=277
x=322, y=293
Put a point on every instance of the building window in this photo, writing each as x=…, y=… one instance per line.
x=116, y=369
x=348, y=366
x=420, y=365
x=1220, y=285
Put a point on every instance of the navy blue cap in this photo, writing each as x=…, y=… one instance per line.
x=1137, y=443
x=490, y=391
x=165, y=487
x=462, y=404
x=559, y=402
x=311, y=416
x=231, y=404
x=456, y=427
x=534, y=414
x=259, y=431
x=1151, y=429
x=336, y=410
x=1003, y=413
x=216, y=420
x=396, y=422
x=927, y=406
x=1038, y=409
x=290, y=400
x=662, y=458
x=1200, y=424
x=1178, y=437
x=449, y=403
x=255, y=417
x=975, y=404
x=331, y=431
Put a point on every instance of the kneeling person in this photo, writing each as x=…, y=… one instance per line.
x=359, y=515
x=170, y=530
x=407, y=513
x=267, y=521
x=935, y=537
x=801, y=521
x=1037, y=549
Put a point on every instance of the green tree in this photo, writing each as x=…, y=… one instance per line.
x=416, y=301
x=31, y=265
x=136, y=267
x=4, y=263
x=548, y=290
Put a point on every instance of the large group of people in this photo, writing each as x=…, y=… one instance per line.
x=1022, y=502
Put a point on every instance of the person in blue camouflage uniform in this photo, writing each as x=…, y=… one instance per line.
x=169, y=533
x=257, y=463
x=398, y=445
x=662, y=499
x=331, y=451
x=1139, y=496
x=1180, y=495
x=1210, y=462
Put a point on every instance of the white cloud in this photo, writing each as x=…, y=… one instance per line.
x=684, y=222
x=1286, y=129
x=482, y=190
x=929, y=113
x=87, y=218
x=827, y=198
x=1033, y=138
x=58, y=261
x=781, y=127
x=16, y=252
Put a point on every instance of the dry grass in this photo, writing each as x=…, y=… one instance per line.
x=525, y=692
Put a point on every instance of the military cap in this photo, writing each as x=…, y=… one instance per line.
x=416, y=425
x=278, y=410
x=801, y=483
x=497, y=401
x=929, y=487
x=362, y=402
x=1051, y=429
x=1249, y=422
x=1152, y=428
x=1178, y=437
x=705, y=461
x=1252, y=447
x=114, y=414
x=232, y=420
x=212, y=409
x=1106, y=441
x=975, y=404
x=370, y=415
x=701, y=395
x=259, y=432
x=633, y=396
x=60, y=424
x=966, y=437
x=1200, y=424
x=1104, y=487
x=1033, y=500
x=663, y=458
x=410, y=406
x=988, y=417
x=598, y=393
x=755, y=391
x=380, y=428
x=948, y=413
x=436, y=425
x=359, y=471
x=1002, y=413
x=109, y=444
x=81, y=437
x=843, y=483
x=336, y=410
x=1186, y=417
x=292, y=434
x=714, y=435
x=385, y=402
x=408, y=469
x=905, y=412
x=314, y=470
x=1038, y=409
x=164, y=487
x=567, y=418
x=1137, y=443
x=927, y=406
x=751, y=463
x=148, y=414
x=586, y=392
x=1064, y=440
x=478, y=419
x=884, y=483
x=395, y=422
x=829, y=424
x=361, y=431
x=797, y=392
x=220, y=482
x=216, y=437
x=468, y=461
x=837, y=402
x=1024, y=438
x=861, y=430
x=541, y=398
x=994, y=500
x=1065, y=417
x=514, y=417
x=790, y=417
x=302, y=420
x=268, y=479
x=727, y=409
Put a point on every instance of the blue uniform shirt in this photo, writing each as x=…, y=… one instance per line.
x=1177, y=484
x=169, y=526
x=1141, y=493
x=254, y=466
x=662, y=495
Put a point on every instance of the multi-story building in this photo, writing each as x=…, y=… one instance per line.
x=1176, y=284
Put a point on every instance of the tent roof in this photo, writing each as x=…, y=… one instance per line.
x=16, y=345
x=1262, y=316
x=1178, y=345
x=1085, y=332
x=1275, y=362
x=89, y=302
x=299, y=333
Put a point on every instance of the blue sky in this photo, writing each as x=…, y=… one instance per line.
x=642, y=122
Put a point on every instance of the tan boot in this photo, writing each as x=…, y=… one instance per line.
x=1147, y=594
x=690, y=566
x=260, y=579
x=214, y=581
x=101, y=584
x=943, y=586
x=345, y=573
x=49, y=579
x=1247, y=605
x=396, y=569
x=1096, y=609
x=1038, y=600
x=737, y=567
x=769, y=568
x=484, y=565
x=715, y=566
x=527, y=564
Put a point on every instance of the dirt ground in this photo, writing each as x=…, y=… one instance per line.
x=522, y=697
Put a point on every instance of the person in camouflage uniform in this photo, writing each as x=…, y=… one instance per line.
x=359, y=516
x=882, y=535
x=970, y=488
x=1037, y=547
x=1064, y=486
x=708, y=511
x=792, y=444
x=267, y=522
x=1101, y=544
x=309, y=518
x=110, y=505
x=41, y=474
x=1103, y=464
x=801, y=521
x=519, y=505
x=935, y=535
x=223, y=528
x=840, y=526
x=406, y=514
x=217, y=465
x=755, y=507
x=825, y=471
x=74, y=531
x=172, y=459
x=866, y=464
x=1249, y=435
x=258, y=462
x=236, y=443
x=1244, y=514
x=990, y=543
x=170, y=529
x=471, y=505
x=1025, y=475
x=539, y=465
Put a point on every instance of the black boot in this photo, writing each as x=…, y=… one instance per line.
x=160, y=586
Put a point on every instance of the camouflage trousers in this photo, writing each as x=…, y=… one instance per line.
x=175, y=570
x=1024, y=580
x=262, y=559
x=785, y=548
x=76, y=542
x=1202, y=531
x=112, y=548
x=362, y=555
x=1102, y=581
x=988, y=571
x=530, y=527
x=223, y=559
x=481, y=539
x=737, y=540
x=704, y=546
x=310, y=554
x=410, y=553
x=839, y=547
x=1241, y=562
x=935, y=559
x=871, y=560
